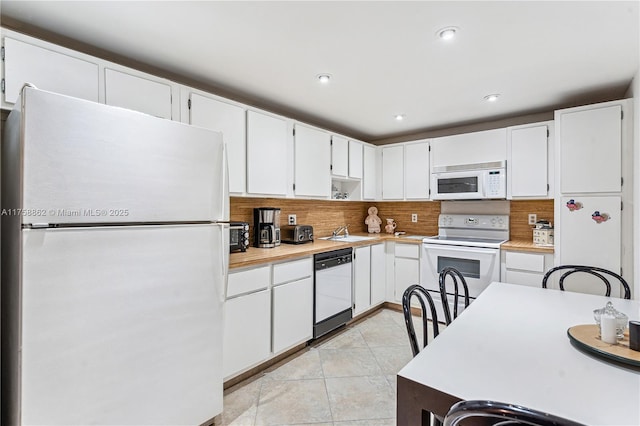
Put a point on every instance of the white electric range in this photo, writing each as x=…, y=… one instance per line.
x=468, y=243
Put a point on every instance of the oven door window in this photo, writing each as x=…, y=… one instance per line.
x=458, y=185
x=234, y=237
x=469, y=268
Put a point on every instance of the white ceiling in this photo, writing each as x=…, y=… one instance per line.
x=384, y=56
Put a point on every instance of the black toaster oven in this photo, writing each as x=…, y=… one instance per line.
x=238, y=236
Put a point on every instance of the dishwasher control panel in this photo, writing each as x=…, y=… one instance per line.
x=332, y=259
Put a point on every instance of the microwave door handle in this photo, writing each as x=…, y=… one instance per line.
x=485, y=182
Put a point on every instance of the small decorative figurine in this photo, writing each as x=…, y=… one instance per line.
x=373, y=221
x=572, y=205
x=391, y=226
x=598, y=217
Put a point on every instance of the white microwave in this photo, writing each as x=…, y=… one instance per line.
x=482, y=181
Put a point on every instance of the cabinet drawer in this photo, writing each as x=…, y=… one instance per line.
x=247, y=281
x=407, y=250
x=526, y=261
x=531, y=279
x=290, y=271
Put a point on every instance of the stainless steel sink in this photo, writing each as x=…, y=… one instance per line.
x=349, y=239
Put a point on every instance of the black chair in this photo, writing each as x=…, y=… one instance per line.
x=593, y=270
x=425, y=299
x=442, y=279
x=509, y=414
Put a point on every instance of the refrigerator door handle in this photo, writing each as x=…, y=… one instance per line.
x=224, y=258
x=224, y=178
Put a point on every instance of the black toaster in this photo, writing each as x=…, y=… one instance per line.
x=296, y=234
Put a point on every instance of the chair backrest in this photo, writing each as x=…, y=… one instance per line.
x=507, y=413
x=425, y=300
x=593, y=270
x=442, y=279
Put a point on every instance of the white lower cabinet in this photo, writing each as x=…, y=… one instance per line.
x=292, y=303
x=268, y=309
x=378, y=274
x=361, y=279
x=524, y=268
x=292, y=314
x=369, y=280
x=407, y=268
x=247, y=332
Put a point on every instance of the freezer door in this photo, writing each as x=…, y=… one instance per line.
x=122, y=325
x=85, y=162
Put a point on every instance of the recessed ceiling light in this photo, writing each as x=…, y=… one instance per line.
x=399, y=117
x=492, y=98
x=447, y=33
x=324, y=78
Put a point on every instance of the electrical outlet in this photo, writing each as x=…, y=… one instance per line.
x=533, y=218
x=414, y=217
x=292, y=219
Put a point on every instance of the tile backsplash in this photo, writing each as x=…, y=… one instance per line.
x=327, y=215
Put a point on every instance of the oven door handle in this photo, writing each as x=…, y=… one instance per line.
x=479, y=250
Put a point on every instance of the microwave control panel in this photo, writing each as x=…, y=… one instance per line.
x=496, y=180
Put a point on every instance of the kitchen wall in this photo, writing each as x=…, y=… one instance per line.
x=327, y=215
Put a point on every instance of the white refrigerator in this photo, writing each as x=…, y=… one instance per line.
x=114, y=265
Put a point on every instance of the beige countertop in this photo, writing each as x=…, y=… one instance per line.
x=525, y=245
x=256, y=256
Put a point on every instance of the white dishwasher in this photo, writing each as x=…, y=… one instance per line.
x=332, y=290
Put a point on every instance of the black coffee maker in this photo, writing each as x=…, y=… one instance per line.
x=266, y=227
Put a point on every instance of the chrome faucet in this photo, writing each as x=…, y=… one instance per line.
x=340, y=229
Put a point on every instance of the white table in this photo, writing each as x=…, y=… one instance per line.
x=511, y=345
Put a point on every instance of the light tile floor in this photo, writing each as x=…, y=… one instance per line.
x=347, y=379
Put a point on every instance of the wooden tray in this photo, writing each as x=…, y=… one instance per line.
x=586, y=337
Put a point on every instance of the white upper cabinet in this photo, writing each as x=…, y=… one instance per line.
x=416, y=170
x=469, y=148
x=530, y=161
x=346, y=158
x=139, y=92
x=266, y=147
x=49, y=70
x=339, y=156
x=590, y=148
x=231, y=121
x=393, y=172
x=355, y=159
x=312, y=162
x=369, y=173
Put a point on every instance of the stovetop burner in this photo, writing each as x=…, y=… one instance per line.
x=464, y=241
x=471, y=230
